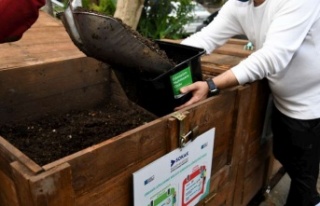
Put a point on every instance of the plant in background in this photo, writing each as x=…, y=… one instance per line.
x=164, y=18
x=107, y=7
x=102, y=6
x=159, y=19
x=58, y=6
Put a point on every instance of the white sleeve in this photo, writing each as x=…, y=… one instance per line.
x=223, y=27
x=287, y=30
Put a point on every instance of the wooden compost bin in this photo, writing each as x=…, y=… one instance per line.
x=45, y=73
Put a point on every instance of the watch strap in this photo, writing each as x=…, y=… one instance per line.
x=213, y=89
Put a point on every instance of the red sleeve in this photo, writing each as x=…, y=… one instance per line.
x=17, y=16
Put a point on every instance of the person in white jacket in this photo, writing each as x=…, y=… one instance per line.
x=286, y=37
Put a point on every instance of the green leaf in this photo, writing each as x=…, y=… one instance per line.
x=161, y=19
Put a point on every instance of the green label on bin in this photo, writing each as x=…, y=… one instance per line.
x=179, y=80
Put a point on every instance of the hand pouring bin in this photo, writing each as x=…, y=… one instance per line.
x=144, y=74
x=159, y=94
x=107, y=39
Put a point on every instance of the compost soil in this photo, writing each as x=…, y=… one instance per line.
x=152, y=45
x=57, y=136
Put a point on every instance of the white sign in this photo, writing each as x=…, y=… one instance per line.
x=180, y=178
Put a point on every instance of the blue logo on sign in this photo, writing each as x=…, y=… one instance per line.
x=204, y=145
x=179, y=158
x=150, y=179
x=172, y=162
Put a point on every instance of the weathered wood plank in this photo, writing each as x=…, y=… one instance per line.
x=42, y=43
x=233, y=50
x=253, y=184
x=211, y=71
x=214, y=112
x=8, y=194
x=254, y=154
x=220, y=198
x=53, y=187
x=99, y=163
x=255, y=162
x=9, y=153
x=27, y=60
x=220, y=178
x=118, y=190
x=173, y=134
x=46, y=19
x=237, y=41
x=21, y=176
x=223, y=61
x=76, y=84
x=44, y=80
x=238, y=146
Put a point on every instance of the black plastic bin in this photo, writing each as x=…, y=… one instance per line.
x=157, y=94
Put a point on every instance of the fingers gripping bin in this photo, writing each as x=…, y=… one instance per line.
x=160, y=94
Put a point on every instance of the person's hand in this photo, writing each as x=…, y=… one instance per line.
x=199, y=92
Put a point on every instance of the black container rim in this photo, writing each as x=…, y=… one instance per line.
x=197, y=49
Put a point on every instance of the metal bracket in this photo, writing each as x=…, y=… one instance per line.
x=185, y=137
x=179, y=116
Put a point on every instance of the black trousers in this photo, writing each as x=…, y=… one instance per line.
x=296, y=146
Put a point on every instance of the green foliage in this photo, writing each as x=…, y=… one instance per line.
x=161, y=19
x=104, y=6
x=58, y=9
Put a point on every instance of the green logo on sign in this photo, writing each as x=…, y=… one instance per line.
x=179, y=80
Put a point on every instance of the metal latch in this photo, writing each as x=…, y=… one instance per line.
x=185, y=137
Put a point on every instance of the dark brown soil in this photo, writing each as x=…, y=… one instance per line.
x=153, y=46
x=54, y=137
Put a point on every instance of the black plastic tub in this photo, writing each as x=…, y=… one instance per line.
x=160, y=94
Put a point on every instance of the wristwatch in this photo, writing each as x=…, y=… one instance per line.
x=213, y=89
